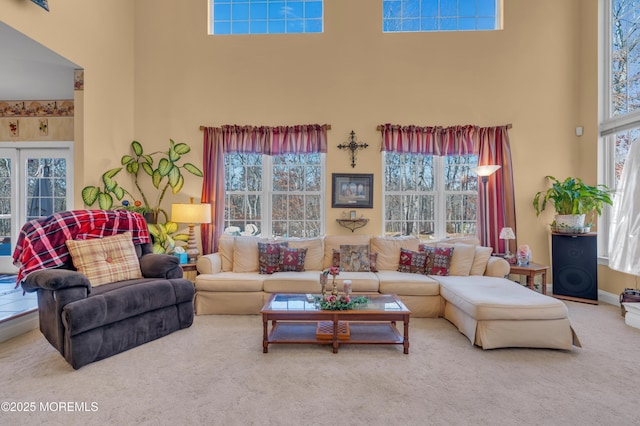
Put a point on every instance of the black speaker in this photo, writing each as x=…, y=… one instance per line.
x=575, y=267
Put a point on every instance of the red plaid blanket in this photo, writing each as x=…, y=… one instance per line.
x=41, y=242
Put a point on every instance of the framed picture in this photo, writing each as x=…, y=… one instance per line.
x=352, y=215
x=352, y=190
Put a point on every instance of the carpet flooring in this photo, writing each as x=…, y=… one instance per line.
x=215, y=373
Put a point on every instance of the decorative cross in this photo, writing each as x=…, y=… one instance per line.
x=353, y=146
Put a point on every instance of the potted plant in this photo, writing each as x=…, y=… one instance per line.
x=572, y=200
x=164, y=174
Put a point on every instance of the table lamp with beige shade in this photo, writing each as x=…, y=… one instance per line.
x=191, y=214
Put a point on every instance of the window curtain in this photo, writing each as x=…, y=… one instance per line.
x=218, y=141
x=490, y=144
x=493, y=148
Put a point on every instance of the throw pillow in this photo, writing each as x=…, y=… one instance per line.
x=462, y=258
x=269, y=257
x=373, y=260
x=439, y=261
x=292, y=259
x=412, y=261
x=354, y=258
x=106, y=260
x=480, y=260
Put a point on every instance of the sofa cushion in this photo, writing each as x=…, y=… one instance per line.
x=412, y=262
x=292, y=259
x=461, y=258
x=492, y=298
x=292, y=282
x=361, y=282
x=315, y=252
x=245, y=254
x=333, y=242
x=354, y=258
x=231, y=282
x=269, y=257
x=225, y=249
x=106, y=260
x=388, y=249
x=400, y=283
x=480, y=260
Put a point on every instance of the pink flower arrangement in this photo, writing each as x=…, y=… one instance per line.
x=524, y=250
x=333, y=271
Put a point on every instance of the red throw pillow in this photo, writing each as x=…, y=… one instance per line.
x=412, y=261
x=269, y=257
x=439, y=261
x=292, y=259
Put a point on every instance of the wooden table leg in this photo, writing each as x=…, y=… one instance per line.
x=406, y=334
x=335, y=336
x=265, y=334
x=544, y=282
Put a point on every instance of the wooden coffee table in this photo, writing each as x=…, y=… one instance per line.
x=294, y=319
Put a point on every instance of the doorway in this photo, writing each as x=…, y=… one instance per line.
x=36, y=180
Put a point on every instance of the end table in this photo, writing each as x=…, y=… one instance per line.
x=530, y=271
x=190, y=271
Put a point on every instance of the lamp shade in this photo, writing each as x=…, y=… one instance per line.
x=507, y=234
x=487, y=170
x=191, y=213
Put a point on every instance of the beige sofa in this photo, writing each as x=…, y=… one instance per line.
x=475, y=296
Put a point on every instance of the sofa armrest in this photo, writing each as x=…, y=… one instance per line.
x=55, y=279
x=497, y=267
x=209, y=264
x=165, y=266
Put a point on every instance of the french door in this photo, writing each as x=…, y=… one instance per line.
x=36, y=180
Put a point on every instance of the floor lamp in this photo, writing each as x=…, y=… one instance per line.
x=483, y=173
x=191, y=214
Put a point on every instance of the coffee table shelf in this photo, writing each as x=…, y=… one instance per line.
x=294, y=321
x=361, y=333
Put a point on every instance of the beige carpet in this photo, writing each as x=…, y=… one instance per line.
x=215, y=373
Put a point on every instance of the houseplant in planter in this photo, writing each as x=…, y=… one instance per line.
x=166, y=173
x=572, y=200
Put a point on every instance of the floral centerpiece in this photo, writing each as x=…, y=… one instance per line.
x=342, y=302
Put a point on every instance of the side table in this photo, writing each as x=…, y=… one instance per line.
x=190, y=271
x=530, y=271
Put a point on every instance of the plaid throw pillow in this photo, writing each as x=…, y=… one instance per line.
x=292, y=259
x=439, y=262
x=269, y=257
x=412, y=261
x=106, y=260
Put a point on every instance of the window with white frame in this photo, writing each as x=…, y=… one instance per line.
x=440, y=15
x=232, y=17
x=431, y=197
x=281, y=195
x=620, y=96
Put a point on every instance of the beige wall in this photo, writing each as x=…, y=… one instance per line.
x=97, y=36
x=539, y=73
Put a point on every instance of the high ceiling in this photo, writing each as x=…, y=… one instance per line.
x=31, y=71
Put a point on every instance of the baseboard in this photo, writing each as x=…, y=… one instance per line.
x=20, y=325
x=610, y=298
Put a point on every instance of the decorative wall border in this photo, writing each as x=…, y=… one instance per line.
x=63, y=108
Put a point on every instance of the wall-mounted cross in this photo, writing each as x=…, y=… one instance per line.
x=353, y=146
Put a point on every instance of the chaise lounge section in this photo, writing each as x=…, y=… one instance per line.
x=471, y=290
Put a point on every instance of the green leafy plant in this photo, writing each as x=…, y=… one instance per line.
x=166, y=173
x=572, y=197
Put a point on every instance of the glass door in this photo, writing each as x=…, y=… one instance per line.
x=34, y=182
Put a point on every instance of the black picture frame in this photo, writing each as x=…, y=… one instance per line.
x=352, y=190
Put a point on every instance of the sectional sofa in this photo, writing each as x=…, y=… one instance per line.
x=455, y=279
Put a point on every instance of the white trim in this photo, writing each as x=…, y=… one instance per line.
x=610, y=298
